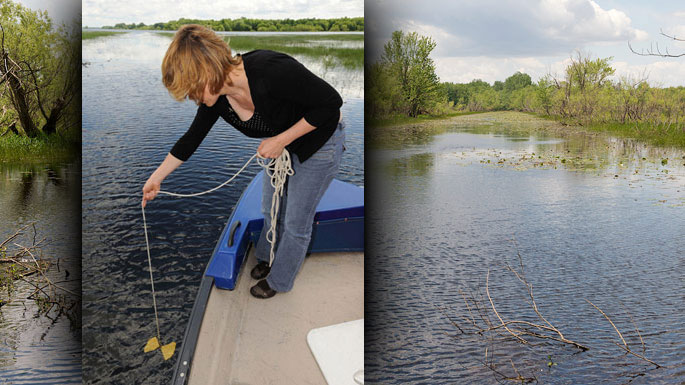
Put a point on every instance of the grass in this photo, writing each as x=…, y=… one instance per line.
x=316, y=46
x=398, y=130
x=401, y=120
x=657, y=134
x=304, y=45
x=85, y=35
x=54, y=147
x=661, y=135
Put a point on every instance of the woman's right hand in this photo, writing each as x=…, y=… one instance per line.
x=154, y=182
x=151, y=189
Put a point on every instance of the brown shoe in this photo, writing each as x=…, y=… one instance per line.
x=262, y=290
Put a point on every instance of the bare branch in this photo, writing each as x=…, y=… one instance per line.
x=654, y=49
x=625, y=345
x=487, y=290
x=672, y=37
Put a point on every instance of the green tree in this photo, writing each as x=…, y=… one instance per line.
x=384, y=92
x=517, y=81
x=544, y=94
x=39, y=69
x=408, y=58
x=584, y=73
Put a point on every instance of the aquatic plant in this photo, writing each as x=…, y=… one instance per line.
x=85, y=35
x=486, y=322
x=24, y=262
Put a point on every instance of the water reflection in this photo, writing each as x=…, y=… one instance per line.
x=130, y=123
x=417, y=165
x=36, y=347
x=593, y=216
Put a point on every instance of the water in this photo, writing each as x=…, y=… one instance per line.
x=606, y=224
x=130, y=123
x=35, y=348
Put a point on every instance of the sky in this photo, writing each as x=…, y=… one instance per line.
x=60, y=11
x=97, y=13
x=492, y=39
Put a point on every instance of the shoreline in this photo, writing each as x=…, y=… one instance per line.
x=516, y=122
x=51, y=148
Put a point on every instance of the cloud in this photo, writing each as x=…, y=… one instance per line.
x=665, y=73
x=97, y=13
x=502, y=28
x=660, y=73
x=465, y=69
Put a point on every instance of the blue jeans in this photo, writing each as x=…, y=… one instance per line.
x=302, y=194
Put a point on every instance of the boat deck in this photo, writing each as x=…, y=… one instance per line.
x=245, y=340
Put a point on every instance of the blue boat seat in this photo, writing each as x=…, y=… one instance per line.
x=338, y=226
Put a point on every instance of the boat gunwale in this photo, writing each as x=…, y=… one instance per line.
x=192, y=332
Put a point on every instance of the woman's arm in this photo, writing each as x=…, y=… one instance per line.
x=154, y=182
x=205, y=117
x=273, y=147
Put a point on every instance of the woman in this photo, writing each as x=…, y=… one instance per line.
x=263, y=94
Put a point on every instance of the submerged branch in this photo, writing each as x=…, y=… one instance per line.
x=486, y=322
x=25, y=260
x=625, y=346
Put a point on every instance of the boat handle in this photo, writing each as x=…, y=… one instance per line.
x=234, y=226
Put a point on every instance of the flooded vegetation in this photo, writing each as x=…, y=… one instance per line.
x=504, y=219
x=40, y=273
x=90, y=34
x=586, y=94
x=130, y=124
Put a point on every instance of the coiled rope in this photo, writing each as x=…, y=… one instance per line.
x=277, y=170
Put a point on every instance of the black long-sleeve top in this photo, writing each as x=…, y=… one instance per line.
x=283, y=92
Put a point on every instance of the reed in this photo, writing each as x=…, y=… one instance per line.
x=85, y=35
x=16, y=148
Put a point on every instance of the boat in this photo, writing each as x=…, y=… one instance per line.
x=233, y=338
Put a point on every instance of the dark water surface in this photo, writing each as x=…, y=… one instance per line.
x=34, y=348
x=594, y=218
x=130, y=123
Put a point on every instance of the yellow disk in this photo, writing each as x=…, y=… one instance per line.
x=168, y=350
x=151, y=345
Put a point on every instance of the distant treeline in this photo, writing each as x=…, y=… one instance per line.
x=584, y=95
x=403, y=83
x=257, y=25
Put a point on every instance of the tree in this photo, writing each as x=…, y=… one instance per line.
x=384, y=92
x=517, y=81
x=544, y=93
x=39, y=68
x=408, y=58
x=584, y=72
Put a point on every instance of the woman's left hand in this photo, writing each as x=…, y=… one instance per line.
x=271, y=147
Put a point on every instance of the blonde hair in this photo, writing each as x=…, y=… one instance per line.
x=197, y=57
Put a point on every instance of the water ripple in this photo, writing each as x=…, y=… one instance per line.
x=130, y=123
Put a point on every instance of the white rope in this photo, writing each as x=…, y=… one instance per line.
x=277, y=170
x=152, y=281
